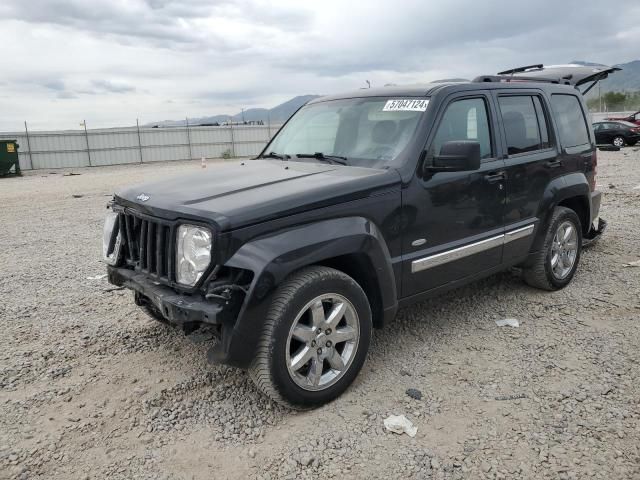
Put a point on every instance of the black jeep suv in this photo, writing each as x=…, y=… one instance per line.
x=361, y=204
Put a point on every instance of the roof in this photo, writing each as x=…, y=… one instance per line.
x=419, y=90
x=532, y=76
x=429, y=89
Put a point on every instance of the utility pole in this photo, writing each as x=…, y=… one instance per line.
x=242, y=115
x=26, y=130
x=86, y=137
x=189, y=138
x=233, y=143
x=139, y=141
x=600, y=96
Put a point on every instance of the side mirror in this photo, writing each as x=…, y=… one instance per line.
x=456, y=156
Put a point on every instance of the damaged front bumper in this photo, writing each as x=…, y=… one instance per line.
x=218, y=312
x=186, y=311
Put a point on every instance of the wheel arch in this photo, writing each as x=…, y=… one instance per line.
x=353, y=245
x=580, y=205
x=359, y=267
x=571, y=191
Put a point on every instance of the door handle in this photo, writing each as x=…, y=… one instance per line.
x=554, y=163
x=494, y=177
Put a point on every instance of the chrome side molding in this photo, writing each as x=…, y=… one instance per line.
x=471, y=249
x=518, y=233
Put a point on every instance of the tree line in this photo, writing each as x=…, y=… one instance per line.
x=615, y=102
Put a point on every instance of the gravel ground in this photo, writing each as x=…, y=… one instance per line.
x=90, y=387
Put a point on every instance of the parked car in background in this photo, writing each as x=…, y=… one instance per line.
x=633, y=118
x=618, y=133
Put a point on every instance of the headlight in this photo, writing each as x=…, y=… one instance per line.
x=111, y=239
x=193, y=254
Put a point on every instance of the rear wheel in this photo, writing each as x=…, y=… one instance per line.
x=618, y=141
x=315, y=338
x=555, y=264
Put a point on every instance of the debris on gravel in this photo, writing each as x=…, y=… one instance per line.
x=508, y=322
x=414, y=393
x=400, y=424
x=92, y=387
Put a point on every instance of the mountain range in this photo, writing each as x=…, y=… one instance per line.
x=627, y=79
x=276, y=115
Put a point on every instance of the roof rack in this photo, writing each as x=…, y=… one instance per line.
x=511, y=79
x=571, y=74
x=537, y=66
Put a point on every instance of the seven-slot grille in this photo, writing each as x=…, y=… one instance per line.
x=148, y=245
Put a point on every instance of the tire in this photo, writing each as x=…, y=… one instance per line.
x=304, y=301
x=542, y=273
x=618, y=141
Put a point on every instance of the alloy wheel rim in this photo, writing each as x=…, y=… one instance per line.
x=618, y=142
x=564, y=250
x=322, y=342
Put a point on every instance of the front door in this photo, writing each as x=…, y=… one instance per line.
x=458, y=230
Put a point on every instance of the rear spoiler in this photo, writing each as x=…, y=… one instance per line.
x=571, y=74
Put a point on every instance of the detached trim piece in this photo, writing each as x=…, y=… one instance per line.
x=471, y=249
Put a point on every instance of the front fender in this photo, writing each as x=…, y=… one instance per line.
x=274, y=257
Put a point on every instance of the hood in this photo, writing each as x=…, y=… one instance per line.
x=238, y=194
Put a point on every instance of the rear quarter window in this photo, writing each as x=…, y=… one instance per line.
x=572, y=125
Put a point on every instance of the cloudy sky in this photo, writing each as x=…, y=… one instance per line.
x=110, y=61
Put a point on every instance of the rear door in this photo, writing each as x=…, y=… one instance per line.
x=531, y=162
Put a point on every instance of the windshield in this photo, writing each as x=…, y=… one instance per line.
x=364, y=131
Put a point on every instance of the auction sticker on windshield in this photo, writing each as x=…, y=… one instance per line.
x=406, y=105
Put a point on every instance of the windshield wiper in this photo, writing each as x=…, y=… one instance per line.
x=325, y=158
x=276, y=155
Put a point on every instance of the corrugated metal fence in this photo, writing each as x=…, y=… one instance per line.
x=115, y=146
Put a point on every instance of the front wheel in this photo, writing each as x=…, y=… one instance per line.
x=618, y=142
x=315, y=338
x=555, y=264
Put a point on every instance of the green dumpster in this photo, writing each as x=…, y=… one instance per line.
x=9, y=157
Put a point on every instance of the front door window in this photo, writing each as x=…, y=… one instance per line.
x=464, y=120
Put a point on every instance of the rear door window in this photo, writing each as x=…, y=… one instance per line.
x=572, y=126
x=524, y=123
